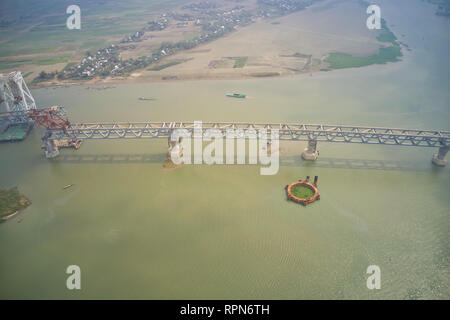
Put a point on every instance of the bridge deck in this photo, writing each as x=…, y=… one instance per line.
x=285, y=131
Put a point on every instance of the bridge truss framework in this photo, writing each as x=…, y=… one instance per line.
x=312, y=133
x=61, y=133
x=14, y=93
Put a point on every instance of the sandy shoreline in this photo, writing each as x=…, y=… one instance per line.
x=181, y=78
x=109, y=83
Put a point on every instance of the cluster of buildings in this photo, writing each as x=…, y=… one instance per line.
x=219, y=22
x=101, y=63
x=214, y=23
x=135, y=37
x=181, y=16
x=200, y=6
x=158, y=25
x=280, y=7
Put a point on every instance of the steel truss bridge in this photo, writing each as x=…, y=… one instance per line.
x=286, y=131
x=61, y=133
x=14, y=93
x=312, y=133
x=20, y=107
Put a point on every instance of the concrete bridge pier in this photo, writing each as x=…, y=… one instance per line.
x=268, y=148
x=310, y=152
x=174, y=148
x=439, y=157
x=50, y=148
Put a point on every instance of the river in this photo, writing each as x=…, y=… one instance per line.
x=219, y=232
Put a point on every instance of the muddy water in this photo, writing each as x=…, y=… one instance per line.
x=138, y=231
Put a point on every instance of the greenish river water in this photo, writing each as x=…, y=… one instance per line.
x=138, y=231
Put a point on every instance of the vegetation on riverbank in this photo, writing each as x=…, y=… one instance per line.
x=264, y=74
x=164, y=66
x=391, y=53
x=44, y=76
x=240, y=62
x=40, y=61
x=11, y=201
x=343, y=60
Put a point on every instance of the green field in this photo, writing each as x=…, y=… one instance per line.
x=27, y=74
x=302, y=192
x=39, y=26
x=392, y=53
x=301, y=55
x=343, y=60
x=265, y=74
x=240, y=62
x=69, y=65
x=164, y=66
x=387, y=37
x=40, y=61
x=224, y=63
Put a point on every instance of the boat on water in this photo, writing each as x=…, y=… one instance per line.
x=68, y=186
x=236, y=95
x=145, y=99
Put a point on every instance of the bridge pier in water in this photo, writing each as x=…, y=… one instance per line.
x=311, y=152
x=50, y=148
x=268, y=148
x=174, y=147
x=439, y=158
x=63, y=134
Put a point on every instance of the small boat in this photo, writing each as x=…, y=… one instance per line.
x=68, y=186
x=236, y=95
x=145, y=99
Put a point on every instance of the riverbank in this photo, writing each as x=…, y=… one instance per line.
x=11, y=203
x=304, y=41
x=392, y=52
x=227, y=232
x=108, y=83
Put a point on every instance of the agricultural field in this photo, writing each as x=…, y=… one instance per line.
x=391, y=53
x=147, y=40
x=34, y=36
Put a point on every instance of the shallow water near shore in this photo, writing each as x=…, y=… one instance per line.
x=217, y=232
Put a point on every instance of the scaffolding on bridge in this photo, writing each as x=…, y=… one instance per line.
x=14, y=93
x=15, y=103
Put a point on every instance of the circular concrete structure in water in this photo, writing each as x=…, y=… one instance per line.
x=302, y=192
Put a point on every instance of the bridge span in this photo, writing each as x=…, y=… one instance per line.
x=62, y=133
x=313, y=133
